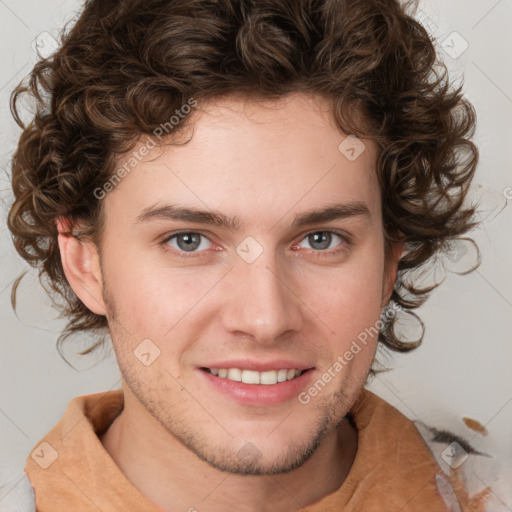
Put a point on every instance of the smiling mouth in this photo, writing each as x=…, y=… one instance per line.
x=254, y=377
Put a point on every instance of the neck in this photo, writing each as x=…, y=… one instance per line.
x=174, y=478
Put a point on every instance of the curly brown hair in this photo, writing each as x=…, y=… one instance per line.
x=126, y=66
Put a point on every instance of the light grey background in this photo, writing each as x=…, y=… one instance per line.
x=464, y=365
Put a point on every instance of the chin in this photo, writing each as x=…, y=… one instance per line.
x=269, y=454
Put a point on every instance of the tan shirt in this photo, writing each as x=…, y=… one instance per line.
x=393, y=470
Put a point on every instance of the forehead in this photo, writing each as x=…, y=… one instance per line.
x=253, y=159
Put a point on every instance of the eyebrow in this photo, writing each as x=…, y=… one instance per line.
x=329, y=213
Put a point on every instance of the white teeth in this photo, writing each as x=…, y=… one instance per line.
x=235, y=374
x=250, y=377
x=254, y=377
x=281, y=375
x=269, y=377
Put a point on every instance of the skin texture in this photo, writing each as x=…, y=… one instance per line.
x=178, y=437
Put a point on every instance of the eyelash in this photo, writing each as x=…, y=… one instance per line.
x=184, y=255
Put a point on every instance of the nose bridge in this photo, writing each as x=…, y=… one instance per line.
x=262, y=304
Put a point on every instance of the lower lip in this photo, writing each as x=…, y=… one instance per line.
x=259, y=394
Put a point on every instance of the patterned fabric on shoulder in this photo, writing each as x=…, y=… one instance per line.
x=471, y=479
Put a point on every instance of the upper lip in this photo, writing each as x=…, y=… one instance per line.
x=259, y=366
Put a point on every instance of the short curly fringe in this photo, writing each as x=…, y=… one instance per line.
x=125, y=66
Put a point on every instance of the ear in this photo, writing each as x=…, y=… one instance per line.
x=391, y=271
x=81, y=264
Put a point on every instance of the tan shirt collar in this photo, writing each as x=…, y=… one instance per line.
x=71, y=470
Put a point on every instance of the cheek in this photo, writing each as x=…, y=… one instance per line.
x=350, y=303
x=353, y=290
x=360, y=294
x=151, y=299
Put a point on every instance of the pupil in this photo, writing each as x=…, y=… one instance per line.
x=317, y=238
x=191, y=241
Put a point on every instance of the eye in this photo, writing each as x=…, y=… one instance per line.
x=322, y=240
x=188, y=241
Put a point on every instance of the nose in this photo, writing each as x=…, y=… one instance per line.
x=261, y=301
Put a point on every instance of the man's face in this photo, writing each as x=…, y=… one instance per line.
x=268, y=294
